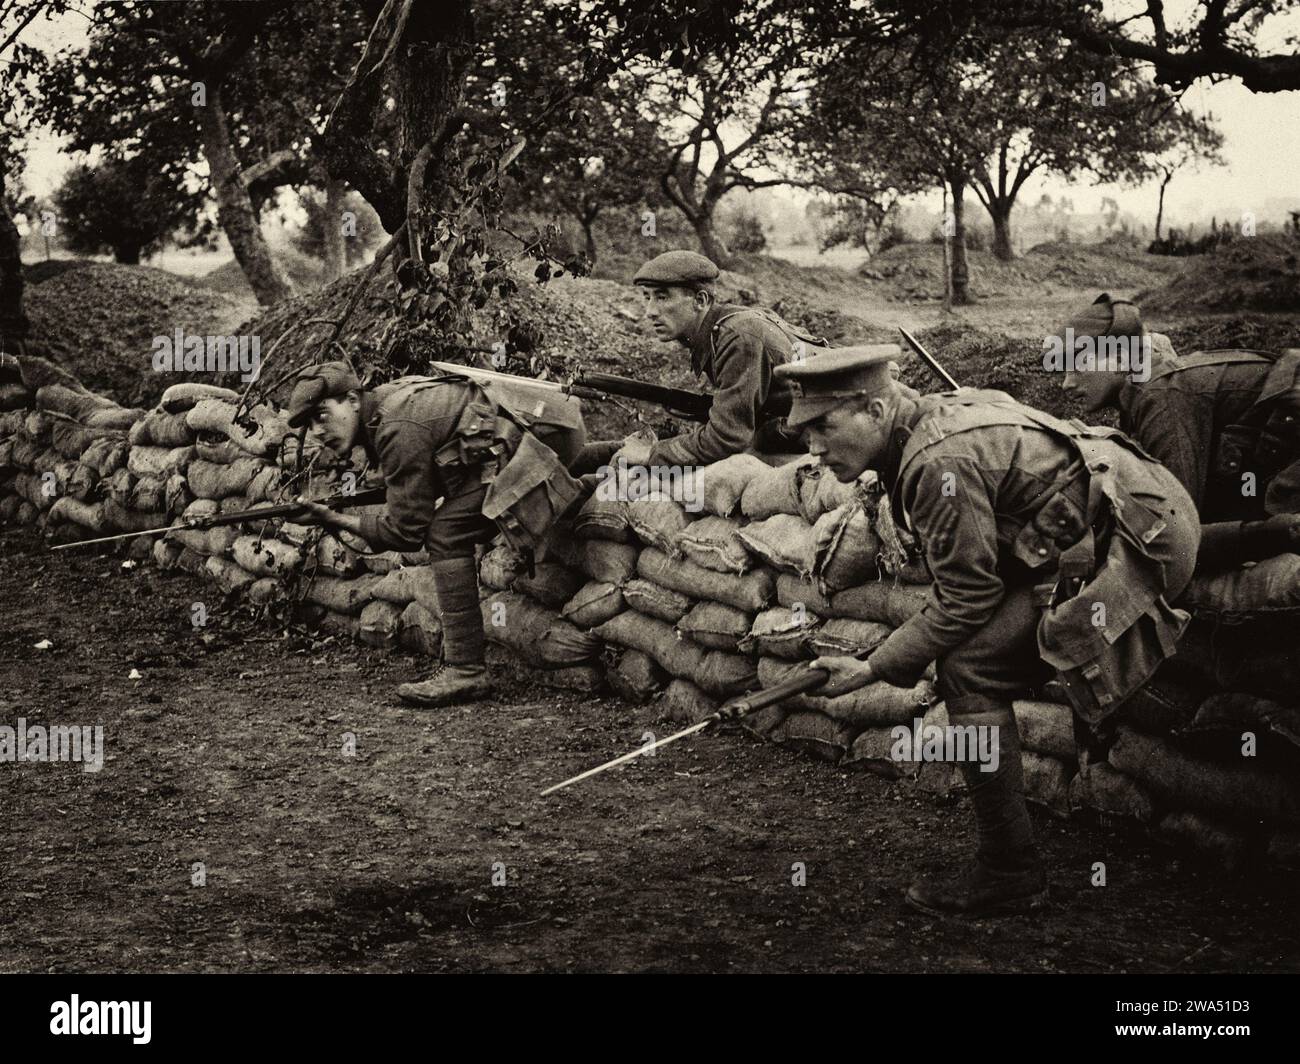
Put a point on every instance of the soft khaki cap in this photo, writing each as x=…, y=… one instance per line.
x=329, y=380
x=825, y=381
x=1106, y=316
x=676, y=267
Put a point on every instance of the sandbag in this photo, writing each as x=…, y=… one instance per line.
x=685, y=703
x=343, y=624
x=603, y=519
x=265, y=486
x=107, y=456
x=645, y=596
x=217, y=449
x=813, y=733
x=843, y=636
x=1046, y=728
x=13, y=396
x=611, y=563
x=1099, y=786
x=656, y=638
x=878, y=751
x=71, y=440
x=176, y=494
x=265, y=557
x=846, y=548
x=23, y=452
x=182, y=397
x=880, y=601
x=499, y=566
x=564, y=644
x=119, y=418
x=217, y=415
x=9, y=505
x=1268, y=586
x=210, y=481
x=714, y=543
x=421, y=630
x=148, y=495
x=1161, y=705
x=725, y=482
x=774, y=490
x=791, y=591
x=594, y=604
x=657, y=519
x=1244, y=790
x=37, y=426
x=750, y=592
x=636, y=677
x=227, y=575
x=781, y=633
x=166, y=554
x=264, y=590
x=411, y=583
x=341, y=596
x=518, y=623
x=1229, y=714
x=1047, y=781
x=82, y=483
x=88, y=515
x=725, y=675
x=1213, y=838
x=784, y=541
x=380, y=624
x=159, y=461
x=715, y=625
x=67, y=400
x=125, y=520
x=161, y=429
x=551, y=584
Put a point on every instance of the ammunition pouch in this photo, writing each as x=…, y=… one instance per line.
x=1108, y=627
x=529, y=494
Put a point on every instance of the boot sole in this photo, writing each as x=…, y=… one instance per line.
x=1011, y=907
x=434, y=702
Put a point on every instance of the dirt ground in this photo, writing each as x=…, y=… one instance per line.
x=229, y=752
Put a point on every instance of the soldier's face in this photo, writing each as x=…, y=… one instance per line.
x=673, y=313
x=1093, y=388
x=851, y=439
x=335, y=423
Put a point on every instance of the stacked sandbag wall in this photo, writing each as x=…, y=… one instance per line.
x=688, y=604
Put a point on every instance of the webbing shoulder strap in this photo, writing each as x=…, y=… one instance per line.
x=1199, y=359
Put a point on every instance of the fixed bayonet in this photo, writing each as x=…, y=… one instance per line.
x=929, y=359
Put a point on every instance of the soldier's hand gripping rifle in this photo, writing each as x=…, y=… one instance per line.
x=237, y=517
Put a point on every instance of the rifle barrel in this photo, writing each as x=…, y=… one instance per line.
x=733, y=710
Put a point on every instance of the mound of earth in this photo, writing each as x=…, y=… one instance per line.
x=98, y=319
x=1251, y=273
x=915, y=271
x=305, y=274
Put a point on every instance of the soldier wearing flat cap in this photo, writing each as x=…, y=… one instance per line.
x=1053, y=547
x=1226, y=423
x=461, y=461
x=734, y=348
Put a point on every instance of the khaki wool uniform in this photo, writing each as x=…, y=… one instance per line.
x=411, y=428
x=1189, y=415
x=736, y=349
x=996, y=494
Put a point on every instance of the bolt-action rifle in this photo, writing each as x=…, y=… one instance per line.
x=236, y=517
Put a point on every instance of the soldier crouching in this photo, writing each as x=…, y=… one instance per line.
x=496, y=460
x=1053, y=546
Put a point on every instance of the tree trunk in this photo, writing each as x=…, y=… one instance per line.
x=589, y=231
x=235, y=212
x=1160, y=208
x=13, y=322
x=336, y=255
x=127, y=255
x=1001, y=215
x=960, y=270
x=710, y=242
